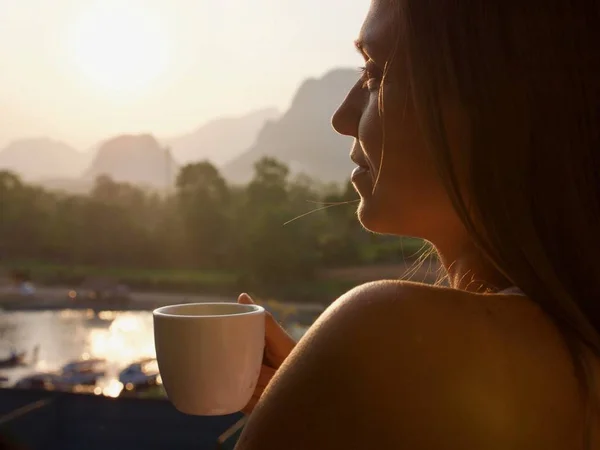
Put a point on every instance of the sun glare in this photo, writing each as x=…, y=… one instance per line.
x=119, y=46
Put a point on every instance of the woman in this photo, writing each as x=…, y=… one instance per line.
x=476, y=127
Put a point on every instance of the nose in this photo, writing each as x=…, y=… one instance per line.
x=347, y=117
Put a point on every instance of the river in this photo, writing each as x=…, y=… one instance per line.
x=67, y=335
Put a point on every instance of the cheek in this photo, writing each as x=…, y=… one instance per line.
x=408, y=197
x=370, y=133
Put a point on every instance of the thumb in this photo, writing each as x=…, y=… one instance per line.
x=278, y=343
x=245, y=299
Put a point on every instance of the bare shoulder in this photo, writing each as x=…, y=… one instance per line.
x=404, y=365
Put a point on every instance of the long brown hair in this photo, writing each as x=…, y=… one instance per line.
x=527, y=74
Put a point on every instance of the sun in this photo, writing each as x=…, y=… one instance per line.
x=119, y=46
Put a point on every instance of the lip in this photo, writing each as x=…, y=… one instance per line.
x=359, y=161
x=359, y=172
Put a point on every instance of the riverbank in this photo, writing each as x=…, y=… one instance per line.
x=311, y=295
x=151, y=284
x=57, y=298
x=141, y=279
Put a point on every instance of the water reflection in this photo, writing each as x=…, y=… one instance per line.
x=64, y=336
x=117, y=338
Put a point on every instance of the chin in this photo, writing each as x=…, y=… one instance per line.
x=373, y=218
x=372, y=212
x=385, y=218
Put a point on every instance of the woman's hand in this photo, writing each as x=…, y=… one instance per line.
x=278, y=345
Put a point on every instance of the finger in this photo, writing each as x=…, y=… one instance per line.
x=267, y=370
x=245, y=299
x=247, y=410
x=272, y=328
x=271, y=324
x=279, y=344
x=262, y=384
x=256, y=396
x=265, y=377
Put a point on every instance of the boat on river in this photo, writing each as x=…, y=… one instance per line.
x=141, y=373
x=37, y=381
x=19, y=359
x=85, y=372
x=72, y=377
x=14, y=360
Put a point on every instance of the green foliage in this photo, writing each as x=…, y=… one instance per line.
x=167, y=280
x=203, y=226
x=204, y=206
x=271, y=251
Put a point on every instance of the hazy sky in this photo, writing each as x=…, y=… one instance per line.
x=83, y=70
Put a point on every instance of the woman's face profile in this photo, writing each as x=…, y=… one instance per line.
x=400, y=190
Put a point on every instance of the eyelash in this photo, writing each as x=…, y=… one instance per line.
x=366, y=76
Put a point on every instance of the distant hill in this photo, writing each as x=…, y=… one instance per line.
x=220, y=140
x=137, y=159
x=37, y=159
x=303, y=137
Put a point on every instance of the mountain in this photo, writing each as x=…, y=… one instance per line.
x=37, y=159
x=220, y=140
x=137, y=159
x=303, y=137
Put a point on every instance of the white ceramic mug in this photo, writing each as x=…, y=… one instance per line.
x=209, y=355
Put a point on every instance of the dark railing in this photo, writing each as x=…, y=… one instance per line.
x=48, y=421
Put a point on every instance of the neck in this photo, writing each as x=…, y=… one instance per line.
x=469, y=270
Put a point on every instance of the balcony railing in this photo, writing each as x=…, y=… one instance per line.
x=46, y=420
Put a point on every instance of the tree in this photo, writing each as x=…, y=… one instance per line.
x=205, y=224
x=204, y=199
x=272, y=253
x=24, y=212
x=341, y=238
x=269, y=184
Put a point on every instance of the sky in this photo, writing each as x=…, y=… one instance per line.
x=81, y=71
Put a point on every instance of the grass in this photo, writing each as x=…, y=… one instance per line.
x=316, y=291
x=320, y=290
x=176, y=280
x=145, y=279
